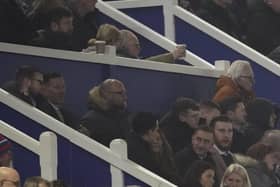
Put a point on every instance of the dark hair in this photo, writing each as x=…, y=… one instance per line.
x=49, y=76
x=182, y=104
x=230, y=104
x=259, y=150
x=193, y=174
x=219, y=119
x=143, y=122
x=56, y=14
x=58, y=183
x=210, y=104
x=204, y=128
x=25, y=71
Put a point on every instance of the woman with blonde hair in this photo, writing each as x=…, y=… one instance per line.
x=235, y=176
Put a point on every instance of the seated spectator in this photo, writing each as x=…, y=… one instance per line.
x=238, y=81
x=236, y=176
x=261, y=117
x=106, y=118
x=58, y=33
x=27, y=84
x=84, y=22
x=53, y=102
x=223, y=133
x=200, y=174
x=5, y=152
x=219, y=14
x=147, y=147
x=202, y=142
x=180, y=122
x=234, y=109
x=263, y=14
x=129, y=47
x=266, y=171
x=208, y=110
x=36, y=182
x=9, y=177
x=106, y=32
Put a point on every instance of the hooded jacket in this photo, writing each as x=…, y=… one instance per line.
x=226, y=87
x=103, y=123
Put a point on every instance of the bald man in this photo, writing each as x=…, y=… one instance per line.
x=9, y=177
x=107, y=117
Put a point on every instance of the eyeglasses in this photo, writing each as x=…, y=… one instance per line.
x=9, y=183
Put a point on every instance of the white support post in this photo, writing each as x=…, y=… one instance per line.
x=48, y=155
x=119, y=147
x=169, y=24
x=222, y=65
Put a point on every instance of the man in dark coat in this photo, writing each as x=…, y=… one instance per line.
x=148, y=147
x=202, y=142
x=106, y=118
x=179, y=123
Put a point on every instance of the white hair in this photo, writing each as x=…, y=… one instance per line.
x=237, y=69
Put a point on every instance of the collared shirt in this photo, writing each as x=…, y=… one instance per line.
x=226, y=155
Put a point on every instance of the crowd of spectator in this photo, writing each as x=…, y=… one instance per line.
x=227, y=141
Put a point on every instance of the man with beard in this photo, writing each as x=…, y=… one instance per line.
x=58, y=34
x=106, y=118
x=223, y=133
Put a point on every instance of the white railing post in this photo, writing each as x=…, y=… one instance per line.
x=169, y=24
x=48, y=155
x=119, y=147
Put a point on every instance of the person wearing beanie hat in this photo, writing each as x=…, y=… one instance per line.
x=261, y=117
x=148, y=147
x=5, y=151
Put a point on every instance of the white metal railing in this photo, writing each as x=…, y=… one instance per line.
x=45, y=148
x=148, y=33
x=109, y=59
x=171, y=8
x=118, y=162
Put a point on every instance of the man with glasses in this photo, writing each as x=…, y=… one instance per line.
x=9, y=177
x=107, y=116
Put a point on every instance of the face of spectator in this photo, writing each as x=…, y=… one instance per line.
x=272, y=159
x=246, y=79
x=36, y=82
x=202, y=141
x=209, y=113
x=223, y=135
x=234, y=180
x=207, y=178
x=55, y=90
x=191, y=117
x=154, y=139
x=133, y=46
x=239, y=114
x=116, y=95
x=65, y=25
